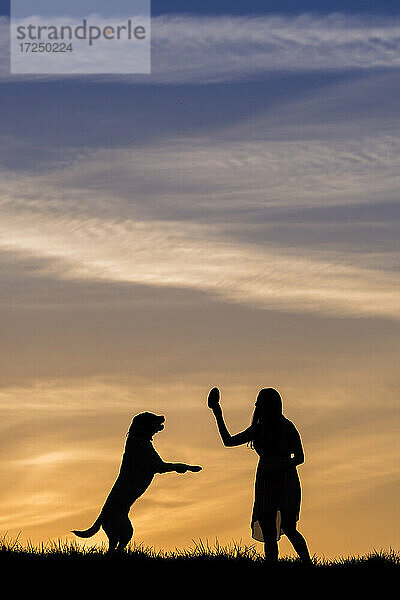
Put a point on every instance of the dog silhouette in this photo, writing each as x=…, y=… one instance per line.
x=140, y=463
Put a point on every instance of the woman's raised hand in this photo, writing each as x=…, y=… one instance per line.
x=213, y=398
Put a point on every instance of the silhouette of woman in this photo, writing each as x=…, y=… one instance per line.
x=277, y=493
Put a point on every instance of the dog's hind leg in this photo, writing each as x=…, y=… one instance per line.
x=112, y=544
x=112, y=533
x=125, y=534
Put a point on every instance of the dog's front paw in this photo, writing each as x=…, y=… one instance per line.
x=181, y=468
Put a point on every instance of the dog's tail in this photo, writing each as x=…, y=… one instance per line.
x=92, y=530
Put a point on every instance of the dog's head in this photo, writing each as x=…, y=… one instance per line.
x=146, y=424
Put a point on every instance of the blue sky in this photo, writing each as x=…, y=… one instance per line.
x=261, y=7
x=276, y=6
x=313, y=98
x=306, y=108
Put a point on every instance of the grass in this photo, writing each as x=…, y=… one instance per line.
x=233, y=555
x=65, y=567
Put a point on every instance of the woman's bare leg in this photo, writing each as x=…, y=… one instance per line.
x=268, y=527
x=295, y=538
x=271, y=549
x=299, y=544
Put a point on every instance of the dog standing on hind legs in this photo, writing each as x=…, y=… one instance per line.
x=140, y=463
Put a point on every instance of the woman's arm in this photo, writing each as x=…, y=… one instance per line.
x=297, y=449
x=296, y=453
x=273, y=464
x=228, y=439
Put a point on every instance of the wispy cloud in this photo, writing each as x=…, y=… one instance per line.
x=224, y=48
x=213, y=172
x=132, y=215
x=189, y=256
x=179, y=211
x=189, y=49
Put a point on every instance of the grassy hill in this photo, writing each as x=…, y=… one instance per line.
x=233, y=559
x=226, y=573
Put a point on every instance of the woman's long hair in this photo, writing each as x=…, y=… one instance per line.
x=267, y=421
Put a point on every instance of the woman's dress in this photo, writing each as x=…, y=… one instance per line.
x=277, y=487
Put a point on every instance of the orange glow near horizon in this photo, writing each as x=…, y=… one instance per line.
x=64, y=444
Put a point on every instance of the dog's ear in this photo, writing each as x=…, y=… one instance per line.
x=144, y=424
x=140, y=423
x=150, y=422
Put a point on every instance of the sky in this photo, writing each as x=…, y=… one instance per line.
x=231, y=219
